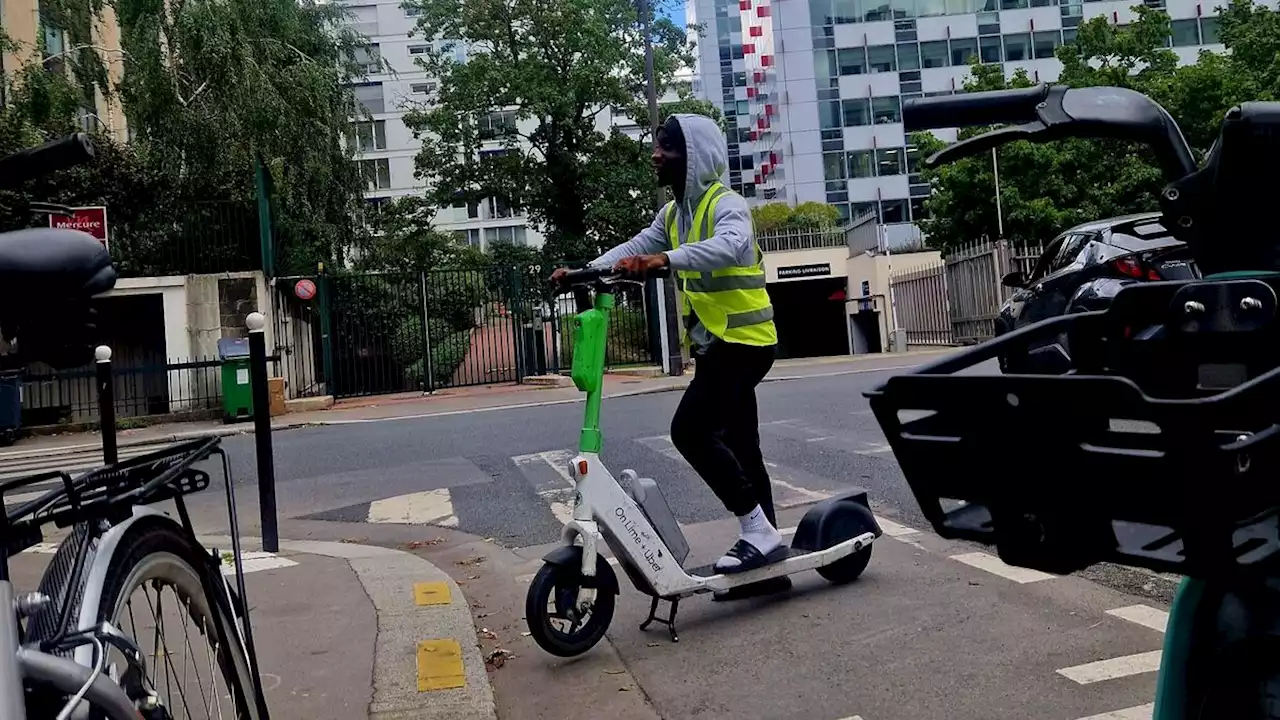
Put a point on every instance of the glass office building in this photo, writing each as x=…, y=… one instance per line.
x=812, y=90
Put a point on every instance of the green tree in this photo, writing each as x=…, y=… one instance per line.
x=400, y=237
x=519, y=121
x=211, y=87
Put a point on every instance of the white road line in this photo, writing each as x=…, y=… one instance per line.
x=1144, y=615
x=1137, y=712
x=894, y=530
x=558, y=495
x=786, y=494
x=430, y=507
x=1113, y=668
x=996, y=566
x=255, y=561
x=43, y=548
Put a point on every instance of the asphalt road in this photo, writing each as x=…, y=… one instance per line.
x=933, y=629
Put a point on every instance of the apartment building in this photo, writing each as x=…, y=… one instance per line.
x=23, y=23
x=813, y=89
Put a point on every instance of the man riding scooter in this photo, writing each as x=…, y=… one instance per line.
x=707, y=238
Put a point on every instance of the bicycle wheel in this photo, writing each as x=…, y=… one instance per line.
x=156, y=562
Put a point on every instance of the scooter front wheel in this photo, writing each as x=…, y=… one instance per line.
x=554, y=622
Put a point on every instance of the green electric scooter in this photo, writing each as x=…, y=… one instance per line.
x=1061, y=486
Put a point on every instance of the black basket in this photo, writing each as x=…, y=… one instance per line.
x=1158, y=451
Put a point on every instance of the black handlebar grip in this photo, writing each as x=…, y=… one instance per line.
x=994, y=107
x=50, y=157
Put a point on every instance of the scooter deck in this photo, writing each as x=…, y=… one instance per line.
x=781, y=554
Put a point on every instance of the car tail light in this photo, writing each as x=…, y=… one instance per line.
x=1129, y=266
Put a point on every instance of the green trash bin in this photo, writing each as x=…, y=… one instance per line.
x=237, y=389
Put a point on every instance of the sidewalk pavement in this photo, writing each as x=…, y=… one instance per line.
x=347, y=631
x=452, y=401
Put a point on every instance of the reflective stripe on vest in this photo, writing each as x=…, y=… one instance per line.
x=731, y=303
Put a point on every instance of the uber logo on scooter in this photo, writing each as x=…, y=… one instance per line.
x=630, y=527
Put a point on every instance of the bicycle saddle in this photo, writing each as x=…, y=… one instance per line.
x=50, y=265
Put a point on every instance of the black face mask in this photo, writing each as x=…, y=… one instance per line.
x=674, y=167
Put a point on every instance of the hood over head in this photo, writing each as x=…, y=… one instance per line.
x=706, y=154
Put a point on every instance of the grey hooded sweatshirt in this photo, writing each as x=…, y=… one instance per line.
x=732, y=243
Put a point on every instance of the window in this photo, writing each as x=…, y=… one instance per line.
x=833, y=166
x=1017, y=47
x=962, y=49
x=1071, y=247
x=913, y=160
x=989, y=23
x=366, y=136
x=740, y=79
x=369, y=96
x=824, y=64
x=886, y=110
x=1044, y=43
x=411, y=10
x=422, y=88
x=1012, y=4
x=989, y=49
x=861, y=164
x=498, y=209
x=889, y=161
x=933, y=54
x=498, y=124
x=369, y=58
x=880, y=58
x=908, y=56
x=863, y=208
x=742, y=107
x=1209, y=30
x=829, y=114
x=419, y=49
x=918, y=211
x=927, y=8
x=509, y=234
x=820, y=13
x=376, y=174
x=1186, y=32
x=469, y=237
x=852, y=61
x=843, y=11
x=856, y=111
x=893, y=211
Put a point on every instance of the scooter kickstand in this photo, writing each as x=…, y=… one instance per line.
x=670, y=620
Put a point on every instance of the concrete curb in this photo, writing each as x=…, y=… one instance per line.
x=390, y=578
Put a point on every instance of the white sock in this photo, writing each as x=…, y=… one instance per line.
x=757, y=530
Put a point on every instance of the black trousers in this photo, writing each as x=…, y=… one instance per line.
x=717, y=430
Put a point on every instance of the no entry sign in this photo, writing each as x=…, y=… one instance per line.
x=90, y=220
x=304, y=289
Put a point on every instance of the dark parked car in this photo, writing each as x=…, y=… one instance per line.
x=1083, y=269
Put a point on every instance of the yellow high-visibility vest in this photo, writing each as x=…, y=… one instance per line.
x=732, y=303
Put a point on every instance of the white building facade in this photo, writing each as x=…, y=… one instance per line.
x=813, y=89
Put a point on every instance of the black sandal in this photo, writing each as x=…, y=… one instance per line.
x=749, y=558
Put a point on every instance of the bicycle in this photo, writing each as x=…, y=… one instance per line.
x=1197, y=360
x=62, y=652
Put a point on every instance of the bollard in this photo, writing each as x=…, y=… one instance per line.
x=262, y=431
x=106, y=404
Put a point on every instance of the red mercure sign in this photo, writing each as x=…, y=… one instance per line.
x=91, y=220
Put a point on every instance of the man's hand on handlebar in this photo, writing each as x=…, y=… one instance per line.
x=558, y=274
x=641, y=264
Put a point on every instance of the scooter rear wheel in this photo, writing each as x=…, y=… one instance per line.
x=549, y=612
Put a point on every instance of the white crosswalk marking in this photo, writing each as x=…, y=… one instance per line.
x=23, y=463
x=811, y=433
x=430, y=507
x=555, y=488
x=791, y=487
x=894, y=530
x=996, y=566
x=1143, y=615
x=1138, y=712
x=1113, y=668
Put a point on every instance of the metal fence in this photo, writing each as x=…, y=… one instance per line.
x=379, y=333
x=791, y=239
x=178, y=388
x=958, y=301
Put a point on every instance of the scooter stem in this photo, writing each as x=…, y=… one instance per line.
x=591, y=336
